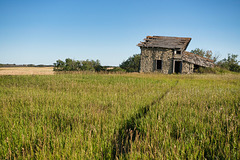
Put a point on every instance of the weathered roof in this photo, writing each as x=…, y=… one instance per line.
x=165, y=42
x=196, y=59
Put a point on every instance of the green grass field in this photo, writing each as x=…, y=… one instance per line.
x=120, y=116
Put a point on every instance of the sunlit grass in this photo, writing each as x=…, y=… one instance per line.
x=83, y=116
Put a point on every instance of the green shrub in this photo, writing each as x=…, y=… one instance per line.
x=214, y=70
x=231, y=63
x=117, y=69
x=132, y=64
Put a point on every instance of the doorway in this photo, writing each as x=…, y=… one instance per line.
x=196, y=68
x=178, y=67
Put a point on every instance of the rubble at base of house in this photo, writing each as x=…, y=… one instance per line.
x=167, y=55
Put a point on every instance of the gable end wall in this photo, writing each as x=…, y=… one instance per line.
x=149, y=56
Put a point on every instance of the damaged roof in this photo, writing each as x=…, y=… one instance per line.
x=196, y=59
x=165, y=42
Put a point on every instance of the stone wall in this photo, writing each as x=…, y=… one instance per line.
x=187, y=67
x=146, y=64
x=149, y=56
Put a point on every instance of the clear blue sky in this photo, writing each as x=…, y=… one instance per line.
x=40, y=32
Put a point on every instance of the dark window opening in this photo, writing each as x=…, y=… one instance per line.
x=196, y=67
x=178, y=52
x=159, y=64
x=178, y=67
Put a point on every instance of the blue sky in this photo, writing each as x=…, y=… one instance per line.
x=40, y=32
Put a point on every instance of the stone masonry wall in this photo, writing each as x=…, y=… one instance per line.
x=149, y=56
x=146, y=64
x=187, y=67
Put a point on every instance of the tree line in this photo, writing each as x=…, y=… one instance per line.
x=83, y=65
x=76, y=65
x=132, y=64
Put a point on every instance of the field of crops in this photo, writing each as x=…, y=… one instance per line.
x=120, y=116
x=26, y=71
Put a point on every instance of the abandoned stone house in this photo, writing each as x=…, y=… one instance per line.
x=168, y=55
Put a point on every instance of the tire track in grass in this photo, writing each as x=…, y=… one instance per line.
x=127, y=133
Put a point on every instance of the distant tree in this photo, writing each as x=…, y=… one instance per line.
x=199, y=52
x=97, y=66
x=59, y=65
x=208, y=54
x=40, y=65
x=231, y=63
x=78, y=64
x=132, y=64
x=29, y=65
x=70, y=65
x=88, y=65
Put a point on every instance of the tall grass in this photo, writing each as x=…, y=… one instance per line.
x=109, y=116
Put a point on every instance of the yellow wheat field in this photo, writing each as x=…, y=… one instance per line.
x=26, y=71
